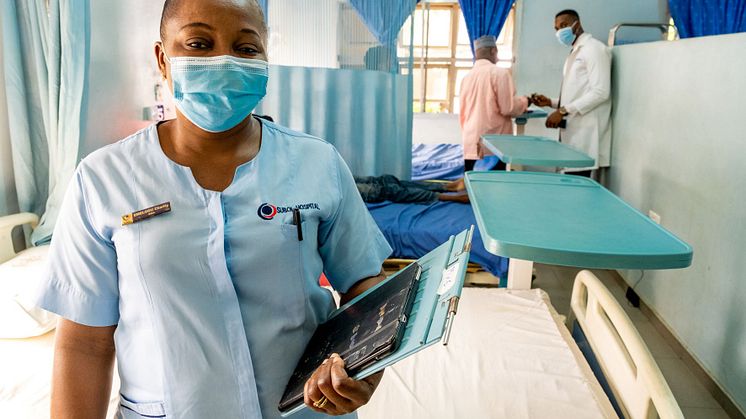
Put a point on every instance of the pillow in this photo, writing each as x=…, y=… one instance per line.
x=19, y=278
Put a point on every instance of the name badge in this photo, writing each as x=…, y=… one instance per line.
x=146, y=213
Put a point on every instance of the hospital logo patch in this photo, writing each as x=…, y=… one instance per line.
x=268, y=211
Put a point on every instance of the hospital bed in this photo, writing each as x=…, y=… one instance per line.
x=620, y=358
x=413, y=230
x=26, y=333
x=443, y=161
x=510, y=355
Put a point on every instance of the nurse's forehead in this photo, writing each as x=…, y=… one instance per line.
x=215, y=14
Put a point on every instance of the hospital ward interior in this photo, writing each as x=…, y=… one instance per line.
x=372, y=209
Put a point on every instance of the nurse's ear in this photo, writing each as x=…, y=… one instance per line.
x=160, y=57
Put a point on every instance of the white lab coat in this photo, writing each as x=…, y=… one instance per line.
x=586, y=95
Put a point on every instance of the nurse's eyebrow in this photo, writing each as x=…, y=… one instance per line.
x=250, y=31
x=196, y=25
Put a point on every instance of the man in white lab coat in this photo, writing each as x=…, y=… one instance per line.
x=584, y=106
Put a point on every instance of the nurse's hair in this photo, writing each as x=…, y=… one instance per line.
x=170, y=6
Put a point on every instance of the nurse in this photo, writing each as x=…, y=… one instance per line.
x=191, y=250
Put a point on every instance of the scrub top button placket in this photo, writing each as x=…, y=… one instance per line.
x=239, y=348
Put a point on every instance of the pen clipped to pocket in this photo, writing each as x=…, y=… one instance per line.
x=298, y=223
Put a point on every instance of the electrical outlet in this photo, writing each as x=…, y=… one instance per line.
x=654, y=216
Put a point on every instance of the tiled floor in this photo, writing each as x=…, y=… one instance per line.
x=695, y=401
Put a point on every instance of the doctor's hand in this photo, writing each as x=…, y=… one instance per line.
x=553, y=121
x=331, y=391
x=541, y=100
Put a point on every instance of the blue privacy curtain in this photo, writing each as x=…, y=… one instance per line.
x=333, y=75
x=45, y=48
x=363, y=113
x=383, y=19
x=485, y=17
x=708, y=17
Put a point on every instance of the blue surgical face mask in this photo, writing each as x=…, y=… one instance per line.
x=566, y=35
x=217, y=93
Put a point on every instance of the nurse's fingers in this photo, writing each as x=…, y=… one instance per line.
x=358, y=392
x=311, y=391
x=325, y=384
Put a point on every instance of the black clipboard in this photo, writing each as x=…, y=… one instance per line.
x=362, y=332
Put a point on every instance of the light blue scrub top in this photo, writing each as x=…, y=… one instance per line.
x=214, y=301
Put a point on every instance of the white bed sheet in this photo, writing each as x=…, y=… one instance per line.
x=25, y=378
x=509, y=356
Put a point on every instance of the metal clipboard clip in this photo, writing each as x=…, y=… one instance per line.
x=452, y=308
x=453, y=301
x=467, y=242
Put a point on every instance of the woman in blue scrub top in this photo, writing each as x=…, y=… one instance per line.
x=192, y=249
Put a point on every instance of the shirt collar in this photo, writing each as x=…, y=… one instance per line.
x=582, y=39
x=482, y=62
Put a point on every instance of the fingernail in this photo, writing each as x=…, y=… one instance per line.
x=325, y=361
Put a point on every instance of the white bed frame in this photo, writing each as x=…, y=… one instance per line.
x=7, y=224
x=633, y=375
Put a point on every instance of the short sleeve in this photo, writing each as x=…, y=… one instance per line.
x=80, y=281
x=350, y=243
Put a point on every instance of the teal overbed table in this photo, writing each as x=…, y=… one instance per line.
x=522, y=119
x=519, y=150
x=566, y=220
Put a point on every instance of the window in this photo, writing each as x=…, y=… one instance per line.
x=442, y=54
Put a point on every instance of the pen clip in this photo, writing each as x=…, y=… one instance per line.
x=298, y=223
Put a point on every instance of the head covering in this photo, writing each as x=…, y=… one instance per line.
x=486, y=41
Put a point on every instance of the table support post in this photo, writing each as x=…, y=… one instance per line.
x=520, y=128
x=519, y=274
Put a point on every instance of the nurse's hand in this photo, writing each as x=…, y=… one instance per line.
x=553, y=121
x=331, y=391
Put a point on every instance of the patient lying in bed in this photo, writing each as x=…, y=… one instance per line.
x=389, y=188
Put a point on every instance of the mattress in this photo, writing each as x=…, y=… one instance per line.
x=509, y=356
x=25, y=381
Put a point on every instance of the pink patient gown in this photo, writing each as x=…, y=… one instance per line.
x=488, y=101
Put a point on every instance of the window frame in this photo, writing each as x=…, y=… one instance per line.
x=422, y=60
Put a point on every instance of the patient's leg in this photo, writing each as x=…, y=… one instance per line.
x=462, y=197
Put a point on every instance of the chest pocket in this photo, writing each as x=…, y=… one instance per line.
x=266, y=265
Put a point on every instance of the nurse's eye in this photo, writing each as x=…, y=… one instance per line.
x=247, y=50
x=197, y=44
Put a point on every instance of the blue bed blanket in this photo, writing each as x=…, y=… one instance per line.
x=443, y=161
x=413, y=230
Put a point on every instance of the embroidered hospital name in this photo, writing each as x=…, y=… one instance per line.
x=268, y=211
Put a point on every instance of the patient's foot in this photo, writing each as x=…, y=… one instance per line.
x=456, y=185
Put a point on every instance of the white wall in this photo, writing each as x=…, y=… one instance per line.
x=540, y=57
x=123, y=70
x=679, y=149
x=8, y=197
x=436, y=128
